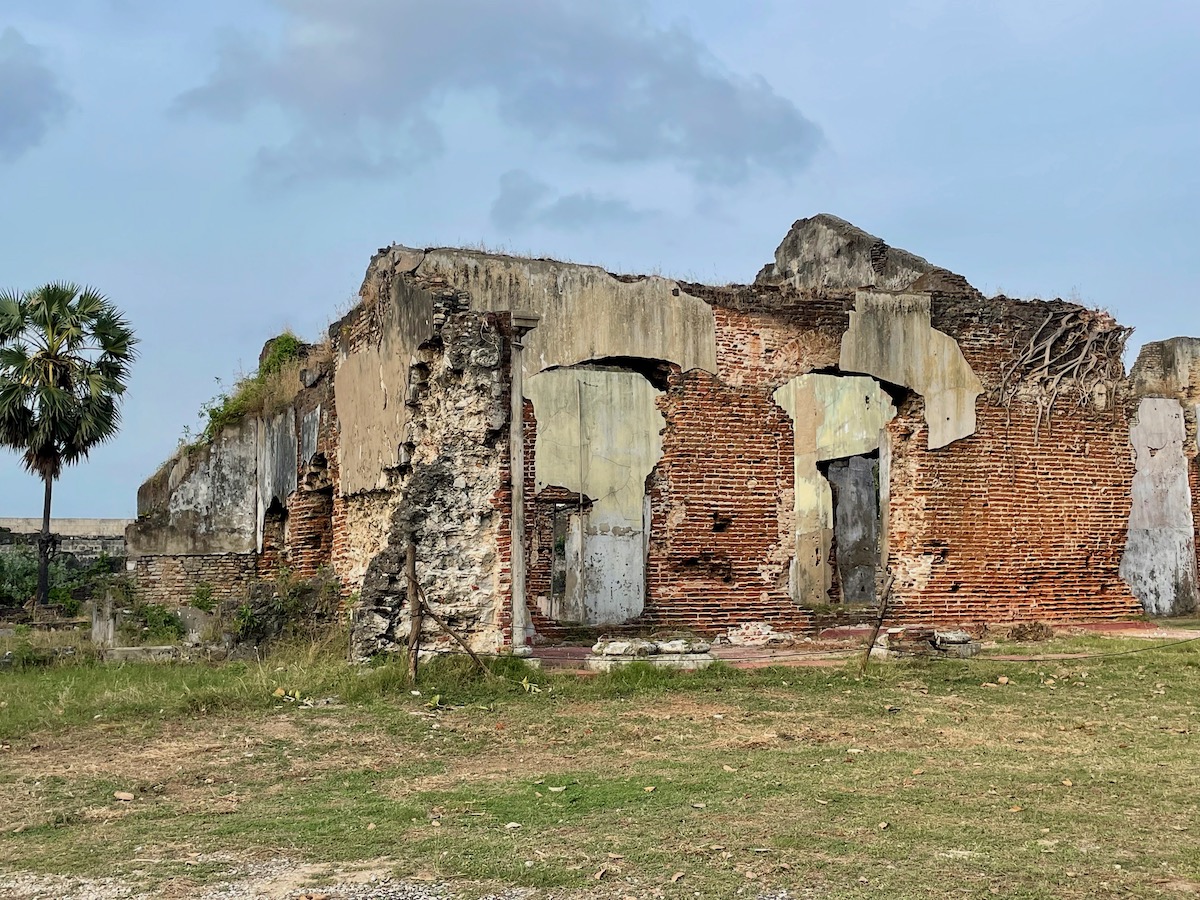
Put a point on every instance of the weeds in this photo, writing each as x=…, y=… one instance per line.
x=269, y=390
x=202, y=597
x=151, y=624
x=287, y=608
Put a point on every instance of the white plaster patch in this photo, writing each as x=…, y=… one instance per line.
x=599, y=433
x=277, y=450
x=832, y=417
x=891, y=337
x=587, y=314
x=1159, y=562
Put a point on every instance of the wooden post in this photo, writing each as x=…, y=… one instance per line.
x=446, y=628
x=883, y=605
x=414, y=609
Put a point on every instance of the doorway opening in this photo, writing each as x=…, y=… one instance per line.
x=854, y=555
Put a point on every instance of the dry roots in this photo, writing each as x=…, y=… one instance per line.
x=1074, y=351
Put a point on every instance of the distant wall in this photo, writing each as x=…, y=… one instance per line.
x=85, y=539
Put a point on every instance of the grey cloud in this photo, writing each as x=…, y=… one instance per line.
x=593, y=79
x=524, y=201
x=31, y=99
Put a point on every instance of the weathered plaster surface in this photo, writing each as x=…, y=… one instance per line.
x=310, y=429
x=599, y=434
x=371, y=387
x=1169, y=368
x=277, y=451
x=1160, y=555
x=832, y=417
x=587, y=314
x=891, y=337
x=205, y=503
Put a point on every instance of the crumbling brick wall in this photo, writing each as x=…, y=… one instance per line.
x=1009, y=526
x=721, y=500
x=1026, y=519
x=446, y=496
x=296, y=534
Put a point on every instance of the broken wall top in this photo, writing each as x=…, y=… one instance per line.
x=1169, y=368
x=824, y=252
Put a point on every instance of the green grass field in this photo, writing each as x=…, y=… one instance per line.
x=1062, y=778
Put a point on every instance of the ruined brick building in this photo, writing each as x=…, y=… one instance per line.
x=691, y=457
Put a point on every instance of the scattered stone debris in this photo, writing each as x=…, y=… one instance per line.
x=676, y=653
x=923, y=641
x=141, y=654
x=1028, y=632
x=757, y=634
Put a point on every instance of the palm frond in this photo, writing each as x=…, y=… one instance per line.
x=65, y=356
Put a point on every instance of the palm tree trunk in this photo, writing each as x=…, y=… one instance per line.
x=43, y=584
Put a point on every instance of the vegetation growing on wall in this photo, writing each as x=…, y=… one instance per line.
x=1076, y=353
x=287, y=607
x=268, y=390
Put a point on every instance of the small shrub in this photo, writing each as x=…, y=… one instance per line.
x=246, y=624
x=24, y=655
x=68, y=606
x=287, y=608
x=202, y=597
x=282, y=350
x=150, y=623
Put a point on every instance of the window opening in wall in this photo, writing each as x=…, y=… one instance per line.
x=559, y=522
x=855, y=546
x=560, y=531
x=275, y=527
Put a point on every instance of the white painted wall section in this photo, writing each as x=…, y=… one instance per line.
x=891, y=337
x=1159, y=564
x=599, y=433
x=587, y=314
x=832, y=417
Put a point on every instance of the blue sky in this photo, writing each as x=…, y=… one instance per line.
x=225, y=169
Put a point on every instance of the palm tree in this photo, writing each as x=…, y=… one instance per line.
x=65, y=354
